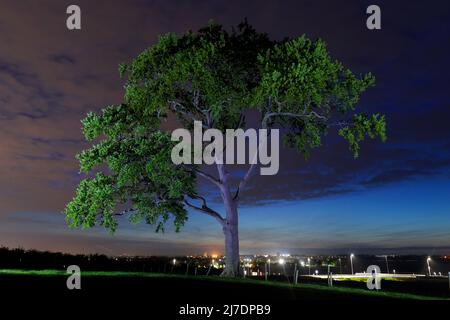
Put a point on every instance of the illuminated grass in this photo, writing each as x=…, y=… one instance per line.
x=306, y=288
x=359, y=279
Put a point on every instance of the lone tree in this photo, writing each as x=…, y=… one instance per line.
x=212, y=76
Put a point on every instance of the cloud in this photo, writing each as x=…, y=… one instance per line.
x=50, y=77
x=62, y=58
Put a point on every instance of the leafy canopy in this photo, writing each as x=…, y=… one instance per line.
x=212, y=76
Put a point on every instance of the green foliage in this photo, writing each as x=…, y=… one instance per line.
x=361, y=127
x=307, y=92
x=211, y=71
x=139, y=170
x=212, y=76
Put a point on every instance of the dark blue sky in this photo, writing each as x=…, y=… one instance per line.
x=394, y=198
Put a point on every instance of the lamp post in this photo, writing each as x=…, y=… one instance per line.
x=265, y=271
x=428, y=265
x=387, y=265
x=309, y=266
x=282, y=262
x=340, y=265
x=351, y=261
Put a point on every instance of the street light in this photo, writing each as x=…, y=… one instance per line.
x=281, y=262
x=340, y=265
x=351, y=261
x=428, y=264
x=174, y=261
x=309, y=266
x=387, y=265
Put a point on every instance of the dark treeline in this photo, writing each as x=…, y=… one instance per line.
x=40, y=260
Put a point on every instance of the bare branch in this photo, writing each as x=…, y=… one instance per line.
x=241, y=121
x=177, y=107
x=249, y=173
x=208, y=177
x=292, y=115
x=203, y=174
x=341, y=124
x=205, y=209
x=244, y=180
x=124, y=212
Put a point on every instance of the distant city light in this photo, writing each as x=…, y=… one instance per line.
x=281, y=261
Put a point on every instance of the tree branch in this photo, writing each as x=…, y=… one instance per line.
x=244, y=181
x=266, y=118
x=177, y=107
x=341, y=124
x=249, y=173
x=292, y=115
x=208, y=177
x=124, y=212
x=203, y=174
x=205, y=209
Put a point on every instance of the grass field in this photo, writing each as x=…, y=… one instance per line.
x=184, y=288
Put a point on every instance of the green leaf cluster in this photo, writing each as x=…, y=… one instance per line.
x=134, y=169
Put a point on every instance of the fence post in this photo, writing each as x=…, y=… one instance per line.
x=265, y=271
x=295, y=272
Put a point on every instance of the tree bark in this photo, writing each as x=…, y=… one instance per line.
x=232, y=258
x=230, y=228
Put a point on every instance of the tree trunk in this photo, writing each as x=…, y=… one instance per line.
x=230, y=228
x=232, y=259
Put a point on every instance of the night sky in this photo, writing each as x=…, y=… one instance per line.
x=394, y=198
